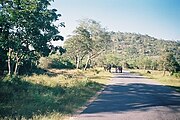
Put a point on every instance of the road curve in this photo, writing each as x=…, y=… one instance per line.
x=133, y=97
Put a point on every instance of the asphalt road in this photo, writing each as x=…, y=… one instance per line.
x=133, y=97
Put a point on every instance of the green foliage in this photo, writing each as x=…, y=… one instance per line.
x=55, y=61
x=3, y=57
x=172, y=64
x=102, y=47
x=78, y=45
x=128, y=66
x=177, y=75
x=142, y=51
x=62, y=64
x=90, y=40
x=112, y=59
x=27, y=28
x=144, y=62
x=169, y=63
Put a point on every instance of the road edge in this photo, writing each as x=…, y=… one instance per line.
x=92, y=99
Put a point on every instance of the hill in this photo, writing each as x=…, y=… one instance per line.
x=130, y=47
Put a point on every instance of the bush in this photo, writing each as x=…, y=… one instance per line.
x=62, y=64
x=45, y=62
x=127, y=65
x=55, y=62
x=10, y=87
x=177, y=75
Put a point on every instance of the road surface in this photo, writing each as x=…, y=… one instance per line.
x=133, y=97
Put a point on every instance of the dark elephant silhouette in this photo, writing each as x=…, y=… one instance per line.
x=107, y=67
x=118, y=69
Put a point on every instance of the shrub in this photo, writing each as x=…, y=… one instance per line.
x=55, y=62
x=177, y=75
x=45, y=62
x=127, y=65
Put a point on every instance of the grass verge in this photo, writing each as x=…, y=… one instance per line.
x=167, y=80
x=52, y=96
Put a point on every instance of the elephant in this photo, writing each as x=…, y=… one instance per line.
x=107, y=67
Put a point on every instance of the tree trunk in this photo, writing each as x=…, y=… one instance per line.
x=77, y=62
x=9, y=62
x=87, y=61
x=164, y=72
x=144, y=67
x=16, y=69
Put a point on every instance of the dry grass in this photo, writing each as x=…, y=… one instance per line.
x=158, y=76
x=54, y=95
x=64, y=77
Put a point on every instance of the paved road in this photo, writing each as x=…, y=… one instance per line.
x=133, y=97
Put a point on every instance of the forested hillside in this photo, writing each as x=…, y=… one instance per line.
x=93, y=45
x=130, y=46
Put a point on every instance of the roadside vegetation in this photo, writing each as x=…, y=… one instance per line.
x=53, y=95
x=166, y=79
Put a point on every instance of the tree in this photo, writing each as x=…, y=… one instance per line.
x=100, y=39
x=154, y=64
x=169, y=63
x=78, y=45
x=89, y=41
x=113, y=59
x=27, y=28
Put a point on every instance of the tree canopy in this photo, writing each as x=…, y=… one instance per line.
x=26, y=31
x=89, y=41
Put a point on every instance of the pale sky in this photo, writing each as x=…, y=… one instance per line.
x=157, y=18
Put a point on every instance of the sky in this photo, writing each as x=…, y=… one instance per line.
x=157, y=18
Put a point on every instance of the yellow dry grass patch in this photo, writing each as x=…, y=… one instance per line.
x=69, y=78
x=62, y=77
x=158, y=76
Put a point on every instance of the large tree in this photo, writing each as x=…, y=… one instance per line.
x=100, y=39
x=78, y=45
x=169, y=63
x=90, y=40
x=26, y=27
